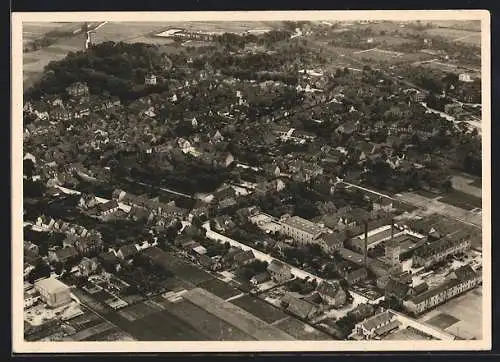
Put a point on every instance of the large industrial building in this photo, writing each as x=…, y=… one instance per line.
x=301, y=230
x=53, y=292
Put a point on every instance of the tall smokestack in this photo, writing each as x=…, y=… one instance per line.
x=366, y=242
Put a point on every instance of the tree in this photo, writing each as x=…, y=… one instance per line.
x=58, y=267
x=28, y=168
x=41, y=270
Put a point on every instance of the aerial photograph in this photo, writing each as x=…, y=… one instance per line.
x=252, y=181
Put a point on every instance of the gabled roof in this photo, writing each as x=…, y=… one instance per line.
x=329, y=289
x=299, y=307
x=377, y=319
x=128, y=250
x=261, y=277
x=400, y=290
x=110, y=205
x=276, y=266
x=68, y=252
x=244, y=256
x=333, y=239
x=465, y=272
x=420, y=288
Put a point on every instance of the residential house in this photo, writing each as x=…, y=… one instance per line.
x=87, y=266
x=109, y=261
x=332, y=293
x=29, y=246
x=298, y=307
x=150, y=79
x=88, y=202
x=279, y=271
x=90, y=244
x=396, y=290
x=107, y=208
x=243, y=258
x=208, y=263
x=223, y=223
x=60, y=114
x=376, y=326
x=226, y=205
x=356, y=276
x=362, y=311
x=78, y=89
x=63, y=255
x=260, y=278
x=331, y=242
x=347, y=128
x=465, y=77
x=127, y=252
x=118, y=194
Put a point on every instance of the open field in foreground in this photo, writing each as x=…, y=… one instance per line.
x=235, y=316
x=301, y=330
x=220, y=288
x=259, y=308
x=211, y=326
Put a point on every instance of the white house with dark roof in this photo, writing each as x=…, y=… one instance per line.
x=279, y=271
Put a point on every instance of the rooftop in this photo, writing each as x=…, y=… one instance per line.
x=303, y=225
x=51, y=284
x=377, y=319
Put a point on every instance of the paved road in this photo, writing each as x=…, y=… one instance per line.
x=266, y=257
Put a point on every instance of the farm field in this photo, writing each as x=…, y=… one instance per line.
x=392, y=40
x=160, y=325
x=458, y=35
x=391, y=57
x=219, y=288
x=92, y=332
x=218, y=26
x=451, y=68
x=235, y=316
x=468, y=184
x=300, y=330
x=136, y=311
x=462, y=200
x=35, y=30
x=113, y=334
x=259, y=308
x=206, y=323
x=187, y=272
x=471, y=25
